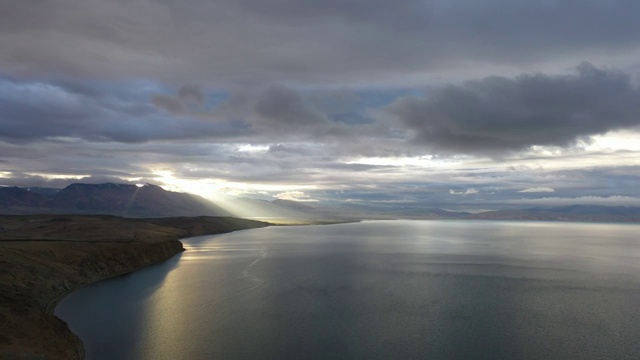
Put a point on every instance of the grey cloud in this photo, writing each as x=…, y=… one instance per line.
x=78, y=123
x=380, y=11
x=297, y=150
x=25, y=180
x=311, y=163
x=499, y=114
x=191, y=94
x=283, y=105
x=351, y=118
x=189, y=98
x=34, y=110
x=168, y=103
x=310, y=41
x=342, y=105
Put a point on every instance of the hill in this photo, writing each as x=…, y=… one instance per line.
x=109, y=199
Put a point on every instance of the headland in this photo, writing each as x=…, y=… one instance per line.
x=45, y=257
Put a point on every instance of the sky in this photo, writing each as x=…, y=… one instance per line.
x=458, y=104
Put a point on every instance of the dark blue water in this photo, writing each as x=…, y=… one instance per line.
x=376, y=290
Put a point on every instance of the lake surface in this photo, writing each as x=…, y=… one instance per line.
x=376, y=290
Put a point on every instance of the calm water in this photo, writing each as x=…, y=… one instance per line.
x=376, y=290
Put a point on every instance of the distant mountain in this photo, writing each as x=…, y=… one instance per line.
x=274, y=209
x=152, y=201
x=270, y=210
x=446, y=213
x=293, y=205
x=595, y=213
x=15, y=199
x=42, y=191
x=392, y=211
x=593, y=210
x=112, y=199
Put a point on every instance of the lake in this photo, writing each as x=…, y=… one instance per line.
x=376, y=290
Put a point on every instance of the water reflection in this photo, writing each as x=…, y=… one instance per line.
x=120, y=300
x=399, y=289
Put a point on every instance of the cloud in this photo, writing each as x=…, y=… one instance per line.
x=168, y=103
x=35, y=110
x=537, y=190
x=189, y=98
x=309, y=41
x=470, y=191
x=282, y=105
x=294, y=196
x=137, y=112
x=126, y=88
x=498, y=114
x=320, y=171
x=192, y=94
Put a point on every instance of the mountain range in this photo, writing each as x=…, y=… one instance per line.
x=112, y=199
x=153, y=201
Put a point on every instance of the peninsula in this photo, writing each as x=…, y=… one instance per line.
x=44, y=257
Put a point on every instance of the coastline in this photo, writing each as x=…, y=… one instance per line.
x=54, y=303
x=47, y=257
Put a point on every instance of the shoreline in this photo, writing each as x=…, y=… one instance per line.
x=54, y=303
x=41, y=270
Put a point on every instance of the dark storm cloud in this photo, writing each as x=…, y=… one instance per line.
x=283, y=105
x=499, y=114
x=310, y=41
